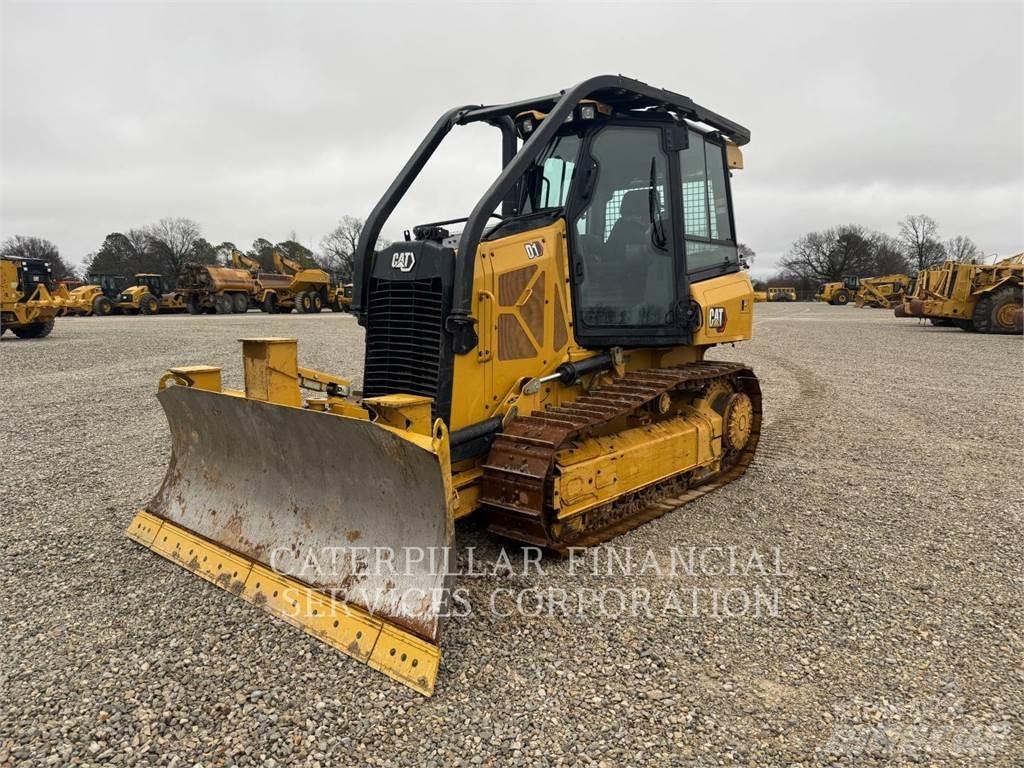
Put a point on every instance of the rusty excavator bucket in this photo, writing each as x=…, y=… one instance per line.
x=339, y=525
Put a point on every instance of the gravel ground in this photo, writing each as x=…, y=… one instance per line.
x=887, y=487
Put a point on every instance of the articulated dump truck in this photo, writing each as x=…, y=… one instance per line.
x=209, y=289
x=304, y=289
x=539, y=362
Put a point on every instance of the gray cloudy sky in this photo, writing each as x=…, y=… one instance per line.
x=272, y=118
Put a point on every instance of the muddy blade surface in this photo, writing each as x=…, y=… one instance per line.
x=340, y=504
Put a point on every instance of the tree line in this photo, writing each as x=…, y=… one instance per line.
x=814, y=258
x=164, y=247
x=853, y=250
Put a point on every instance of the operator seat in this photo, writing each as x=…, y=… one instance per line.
x=634, y=221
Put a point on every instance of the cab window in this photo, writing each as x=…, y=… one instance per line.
x=626, y=275
x=707, y=228
x=549, y=181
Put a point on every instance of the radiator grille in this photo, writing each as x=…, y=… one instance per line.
x=404, y=326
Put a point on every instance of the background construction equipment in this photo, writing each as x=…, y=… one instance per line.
x=293, y=286
x=212, y=289
x=27, y=308
x=339, y=295
x=98, y=296
x=149, y=296
x=838, y=293
x=974, y=297
x=781, y=293
x=885, y=291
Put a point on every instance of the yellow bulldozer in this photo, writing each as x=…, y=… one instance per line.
x=839, y=293
x=28, y=307
x=884, y=291
x=540, y=362
x=986, y=298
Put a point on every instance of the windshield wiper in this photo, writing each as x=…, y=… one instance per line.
x=658, y=238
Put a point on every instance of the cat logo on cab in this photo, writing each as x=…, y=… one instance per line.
x=716, y=317
x=403, y=261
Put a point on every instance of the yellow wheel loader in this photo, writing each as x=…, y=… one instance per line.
x=339, y=297
x=883, y=292
x=99, y=296
x=986, y=298
x=27, y=305
x=539, y=362
x=839, y=293
x=149, y=296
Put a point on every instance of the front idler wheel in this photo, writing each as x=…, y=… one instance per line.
x=737, y=420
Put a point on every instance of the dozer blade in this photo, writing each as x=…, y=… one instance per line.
x=335, y=524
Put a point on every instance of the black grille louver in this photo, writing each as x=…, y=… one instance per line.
x=405, y=321
x=407, y=347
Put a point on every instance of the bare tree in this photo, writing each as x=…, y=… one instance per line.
x=889, y=258
x=28, y=247
x=961, y=248
x=831, y=254
x=172, y=239
x=338, y=247
x=919, y=236
x=746, y=253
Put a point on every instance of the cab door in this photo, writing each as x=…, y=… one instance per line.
x=625, y=242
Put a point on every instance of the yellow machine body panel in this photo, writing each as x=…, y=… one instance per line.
x=137, y=299
x=80, y=300
x=525, y=320
x=827, y=291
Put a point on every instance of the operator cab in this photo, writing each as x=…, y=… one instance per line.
x=31, y=274
x=640, y=175
x=154, y=283
x=647, y=208
x=110, y=285
x=646, y=200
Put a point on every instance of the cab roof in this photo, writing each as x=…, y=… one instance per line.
x=626, y=97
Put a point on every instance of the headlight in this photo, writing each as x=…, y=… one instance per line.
x=526, y=126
